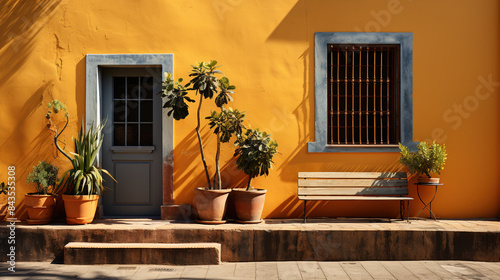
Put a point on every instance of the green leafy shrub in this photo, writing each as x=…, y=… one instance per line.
x=226, y=123
x=44, y=175
x=255, y=151
x=426, y=160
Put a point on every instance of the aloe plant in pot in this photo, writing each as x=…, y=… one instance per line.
x=211, y=200
x=428, y=159
x=255, y=151
x=41, y=203
x=83, y=182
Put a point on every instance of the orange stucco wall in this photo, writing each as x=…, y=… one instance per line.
x=267, y=50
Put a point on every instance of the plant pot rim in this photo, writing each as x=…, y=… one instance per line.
x=79, y=197
x=211, y=190
x=252, y=190
x=36, y=194
x=425, y=177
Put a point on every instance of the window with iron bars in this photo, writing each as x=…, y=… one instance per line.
x=363, y=94
x=363, y=88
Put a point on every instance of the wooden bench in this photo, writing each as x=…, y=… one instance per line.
x=348, y=186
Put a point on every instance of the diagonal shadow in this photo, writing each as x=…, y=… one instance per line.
x=20, y=22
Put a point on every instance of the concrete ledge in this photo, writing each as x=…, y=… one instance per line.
x=142, y=253
x=277, y=240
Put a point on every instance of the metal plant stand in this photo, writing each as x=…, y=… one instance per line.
x=428, y=205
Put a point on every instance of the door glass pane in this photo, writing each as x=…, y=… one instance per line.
x=146, y=87
x=146, y=135
x=132, y=87
x=119, y=111
x=119, y=135
x=146, y=111
x=132, y=111
x=132, y=135
x=119, y=87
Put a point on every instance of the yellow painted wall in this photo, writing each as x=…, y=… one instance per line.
x=267, y=50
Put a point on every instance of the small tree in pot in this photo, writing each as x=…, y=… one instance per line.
x=255, y=151
x=428, y=159
x=210, y=201
x=41, y=203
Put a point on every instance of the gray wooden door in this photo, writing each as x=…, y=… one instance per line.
x=132, y=141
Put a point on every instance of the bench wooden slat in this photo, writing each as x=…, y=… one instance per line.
x=357, y=197
x=347, y=175
x=352, y=182
x=354, y=186
x=353, y=191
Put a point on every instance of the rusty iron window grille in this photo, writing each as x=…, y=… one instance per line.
x=363, y=95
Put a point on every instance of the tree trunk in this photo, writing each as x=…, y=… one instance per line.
x=201, y=143
x=217, y=181
x=56, y=136
x=250, y=177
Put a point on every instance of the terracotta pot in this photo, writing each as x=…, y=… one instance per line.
x=249, y=204
x=427, y=180
x=211, y=205
x=40, y=208
x=80, y=209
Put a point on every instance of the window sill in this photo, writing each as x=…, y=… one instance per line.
x=315, y=147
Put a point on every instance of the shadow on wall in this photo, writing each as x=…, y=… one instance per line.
x=20, y=22
x=188, y=155
x=26, y=153
x=294, y=26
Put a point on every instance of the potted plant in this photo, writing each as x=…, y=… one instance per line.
x=41, y=203
x=255, y=151
x=211, y=200
x=3, y=206
x=428, y=159
x=83, y=182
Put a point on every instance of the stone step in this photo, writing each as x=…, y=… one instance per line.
x=142, y=253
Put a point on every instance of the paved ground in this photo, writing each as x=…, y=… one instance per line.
x=290, y=224
x=406, y=270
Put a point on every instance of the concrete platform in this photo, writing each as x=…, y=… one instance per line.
x=279, y=240
x=142, y=253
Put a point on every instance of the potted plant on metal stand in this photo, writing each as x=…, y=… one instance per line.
x=83, y=182
x=210, y=200
x=41, y=203
x=255, y=151
x=428, y=159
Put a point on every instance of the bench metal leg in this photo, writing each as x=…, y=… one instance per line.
x=305, y=203
x=402, y=210
x=408, y=211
